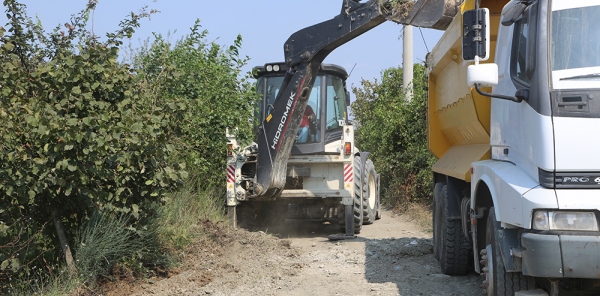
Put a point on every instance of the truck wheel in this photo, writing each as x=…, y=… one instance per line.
x=437, y=219
x=454, y=255
x=370, y=194
x=497, y=280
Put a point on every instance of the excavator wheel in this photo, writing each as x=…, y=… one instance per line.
x=358, y=201
x=370, y=194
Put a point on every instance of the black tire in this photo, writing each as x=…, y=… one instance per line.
x=342, y=219
x=378, y=213
x=497, y=281
x=370, y=194
x=454, y=255
x=437, y=219
x=358, y=203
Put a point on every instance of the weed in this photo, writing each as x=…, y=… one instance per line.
x=179, y=219
x=107, y=239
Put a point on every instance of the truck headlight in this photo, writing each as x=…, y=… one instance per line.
x=565, y=220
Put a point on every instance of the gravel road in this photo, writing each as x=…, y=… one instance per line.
x=390, y=257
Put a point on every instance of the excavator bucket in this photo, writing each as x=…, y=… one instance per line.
x=433, y=14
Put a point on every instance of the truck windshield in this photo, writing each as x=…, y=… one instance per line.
x=575, y=43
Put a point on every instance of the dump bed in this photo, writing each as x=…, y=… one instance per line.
x=458, y=117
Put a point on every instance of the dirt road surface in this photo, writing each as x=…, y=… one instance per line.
x=390, y=257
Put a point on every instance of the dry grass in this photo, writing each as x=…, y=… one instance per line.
x=420, y=214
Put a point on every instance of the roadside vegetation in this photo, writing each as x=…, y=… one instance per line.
x=394, y=129
x=111, y=165
x=106, y=167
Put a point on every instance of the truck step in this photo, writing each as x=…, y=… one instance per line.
x=537, y=292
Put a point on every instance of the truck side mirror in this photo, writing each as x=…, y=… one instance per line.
x=476, y=34
x=347, y=98
x=482, y=74
x=487, y=75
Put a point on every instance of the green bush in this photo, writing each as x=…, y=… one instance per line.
x=84, y=133
x=394, y=130
x=209, y=79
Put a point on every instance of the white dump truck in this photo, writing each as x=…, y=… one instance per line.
x=513, y=108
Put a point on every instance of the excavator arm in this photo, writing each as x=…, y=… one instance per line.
x=305, y=50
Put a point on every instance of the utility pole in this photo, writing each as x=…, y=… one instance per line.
x=407, y=64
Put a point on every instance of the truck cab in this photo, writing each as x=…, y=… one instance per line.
x=515, y=145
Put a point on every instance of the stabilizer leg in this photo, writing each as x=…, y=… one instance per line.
x=349, y=225
x=232, y=215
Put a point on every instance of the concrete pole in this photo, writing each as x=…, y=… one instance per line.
x=407, y=55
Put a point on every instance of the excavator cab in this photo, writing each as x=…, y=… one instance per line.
x=325, y=114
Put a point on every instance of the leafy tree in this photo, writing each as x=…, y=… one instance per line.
x=209, y=79
x=78, y=135
x=394, y=129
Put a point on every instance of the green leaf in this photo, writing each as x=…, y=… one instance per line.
x=42, y=130
x=184, y=174
x=8, y=46
x=135, y=210
x=136, y=127
x=72, y=121
x=68, y=147
x=149, y=182
x=72, y=168
x=31, y=120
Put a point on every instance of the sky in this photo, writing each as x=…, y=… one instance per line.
x=263, y=24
